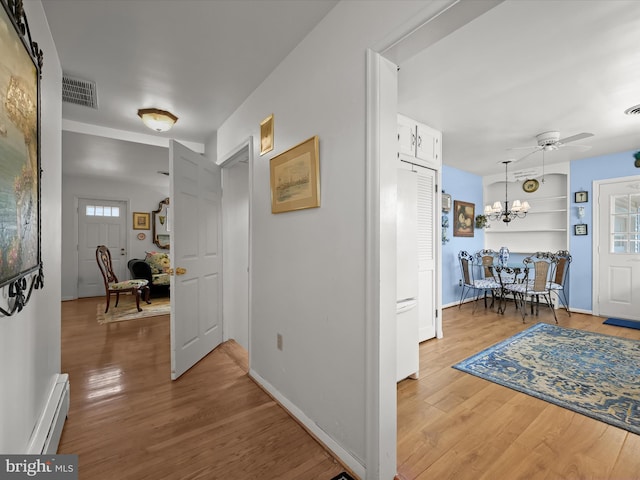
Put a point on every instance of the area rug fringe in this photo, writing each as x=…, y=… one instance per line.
x=590, y=373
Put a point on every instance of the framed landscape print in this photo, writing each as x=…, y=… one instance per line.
x=295, y=178
x=20, y=65
x=463, y=218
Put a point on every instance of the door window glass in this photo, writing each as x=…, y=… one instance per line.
x=625, y=223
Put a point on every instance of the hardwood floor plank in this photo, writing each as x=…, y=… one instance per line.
x=128, y=420
x=454, y=425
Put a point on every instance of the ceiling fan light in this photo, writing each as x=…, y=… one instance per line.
x=158, y=120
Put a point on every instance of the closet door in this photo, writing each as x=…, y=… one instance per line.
x=426, y=253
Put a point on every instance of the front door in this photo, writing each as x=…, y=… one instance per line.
x=196, y=257
x=100, y=222
x=618, y=244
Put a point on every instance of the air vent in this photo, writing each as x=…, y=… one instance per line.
x=80, y=92
x=633, y=110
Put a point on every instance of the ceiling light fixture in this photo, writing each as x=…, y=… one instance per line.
x=158, y=120
x=517, y=210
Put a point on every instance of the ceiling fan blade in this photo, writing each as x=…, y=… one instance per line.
x=524, y=148
x=573, y=138
x=537, y=149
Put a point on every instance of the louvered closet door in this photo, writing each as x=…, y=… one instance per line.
x=426, y=253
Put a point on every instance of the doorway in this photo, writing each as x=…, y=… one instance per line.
x=100, y=222
x=236, y=168
x=616, y=254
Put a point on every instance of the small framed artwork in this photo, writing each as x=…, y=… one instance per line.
x=266, y=135
x=295, y=178
x=581, y=197
x=580, y=229
x=463, y=220
x=141, y=221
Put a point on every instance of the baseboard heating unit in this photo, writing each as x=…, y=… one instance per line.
x=46, y=435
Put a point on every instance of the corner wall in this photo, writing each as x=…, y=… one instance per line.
x=30, y=340
x=308, y=274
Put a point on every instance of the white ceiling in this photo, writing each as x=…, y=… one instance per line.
x=527, y=67
x=522, y=68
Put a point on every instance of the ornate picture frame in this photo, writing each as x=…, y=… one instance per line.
x=20, y=165
x=464, y=214
x=266, y=135
x=295, y=178
x=141, y=221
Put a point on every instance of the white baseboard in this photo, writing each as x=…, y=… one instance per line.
x=321, y=436
x=46, y=435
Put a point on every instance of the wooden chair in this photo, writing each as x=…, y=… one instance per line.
x=111, y=283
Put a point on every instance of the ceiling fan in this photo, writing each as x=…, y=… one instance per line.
x=549, y=141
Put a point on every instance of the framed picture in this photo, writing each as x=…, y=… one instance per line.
x=580, y=229
x=581, y=197
x=463, y=218
x=266, y=135
x=295, y=178
x=20, y=171
x=141, y=221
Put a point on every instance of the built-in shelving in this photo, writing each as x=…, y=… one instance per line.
x=545, y=226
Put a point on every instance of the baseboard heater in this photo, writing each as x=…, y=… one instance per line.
x=46, y=435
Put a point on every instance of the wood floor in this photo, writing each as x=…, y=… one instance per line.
x=129, y=421
x=452, y=425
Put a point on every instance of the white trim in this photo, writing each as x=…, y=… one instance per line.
x=99, y=131
x=235, y=155
x=349, y=460
x=595, y=243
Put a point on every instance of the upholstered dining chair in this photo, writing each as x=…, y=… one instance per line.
x=112, y=286
x=560, y=277
x=470, y=282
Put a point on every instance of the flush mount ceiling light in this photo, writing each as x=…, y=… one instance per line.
x=158, y=120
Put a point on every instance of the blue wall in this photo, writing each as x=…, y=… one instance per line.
x=583, y=174
x=467, y=187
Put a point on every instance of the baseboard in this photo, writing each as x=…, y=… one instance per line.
x=46, y=435
x=580, y=310
x=67, y=299
x=348, y=460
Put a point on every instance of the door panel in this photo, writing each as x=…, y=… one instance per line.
x=196, y=286
x=619, y=249
x=100, y=222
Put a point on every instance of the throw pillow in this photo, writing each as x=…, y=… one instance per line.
x=159, y=262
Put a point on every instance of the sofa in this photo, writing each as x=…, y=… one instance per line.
x=155, y=269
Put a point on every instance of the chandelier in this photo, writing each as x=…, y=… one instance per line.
x=506, y=214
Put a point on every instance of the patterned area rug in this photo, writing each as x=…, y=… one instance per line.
x=126, y=310
x=590, y=373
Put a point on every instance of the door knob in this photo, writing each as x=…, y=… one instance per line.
x=181, y=271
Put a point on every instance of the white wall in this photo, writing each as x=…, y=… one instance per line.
x=141, y=198
x=308, y=272
x=30, y=340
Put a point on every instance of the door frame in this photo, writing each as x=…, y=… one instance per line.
x=240, y=152
x=76, y=227
x=595, y=244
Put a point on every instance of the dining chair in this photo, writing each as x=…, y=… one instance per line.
x=508, y=277
x=468, y=264
x=112, y=286
x=539, y=269
x=560, y=277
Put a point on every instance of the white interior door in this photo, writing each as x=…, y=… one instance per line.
x=196, y=260
x=100, y=222
x=618, y=247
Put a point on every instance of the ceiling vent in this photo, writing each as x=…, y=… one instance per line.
x=633, y=110
x=80, y=92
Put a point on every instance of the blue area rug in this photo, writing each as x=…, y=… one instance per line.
x=621, y=322
x=592, y=374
